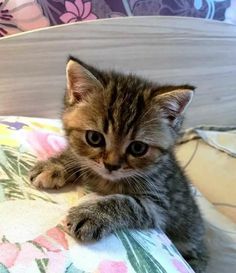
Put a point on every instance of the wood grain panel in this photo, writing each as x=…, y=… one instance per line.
x=165, y=49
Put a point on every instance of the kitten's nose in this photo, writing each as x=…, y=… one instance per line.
x=111, y=167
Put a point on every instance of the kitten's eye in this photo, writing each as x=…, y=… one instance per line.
x=137, y=148
x=95, y=139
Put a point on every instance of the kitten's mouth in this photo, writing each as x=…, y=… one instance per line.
x=105, y=174
x=112, y=176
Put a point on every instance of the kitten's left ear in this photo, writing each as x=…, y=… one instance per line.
x=173, y=104
x=81, y=80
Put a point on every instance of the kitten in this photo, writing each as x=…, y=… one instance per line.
x=121, y=131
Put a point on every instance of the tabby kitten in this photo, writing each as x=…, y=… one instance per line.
x=121, y=131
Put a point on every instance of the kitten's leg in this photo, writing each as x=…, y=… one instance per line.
x=54, y=172
x=198, y=260
x=93, y=219
x=192, y=246
x=195, y=253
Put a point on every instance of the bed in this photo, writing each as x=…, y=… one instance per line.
x=32, y=81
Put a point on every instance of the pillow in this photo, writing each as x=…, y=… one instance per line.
x=213, y=172
x=31, y=237
x=212, y=168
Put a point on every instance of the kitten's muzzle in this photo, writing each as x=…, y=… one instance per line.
x=111, y=167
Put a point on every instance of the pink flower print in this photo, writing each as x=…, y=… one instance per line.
x=57, y=262
x=45, y=243
x=4, y=14
x=77, y=11
x=28, y=253
x=18, y=16
x=55, y=243
x=180, y=266
x=58, y=236
x=44, y=144
x=22, y=256
x=107, y=266
x=8, y=254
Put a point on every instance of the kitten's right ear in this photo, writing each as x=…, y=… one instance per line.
x=173, y=104
x=80, y=81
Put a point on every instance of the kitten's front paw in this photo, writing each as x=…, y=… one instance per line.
x=86, y=223
x=48, y=175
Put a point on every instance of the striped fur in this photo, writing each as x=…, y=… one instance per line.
x=143, y=192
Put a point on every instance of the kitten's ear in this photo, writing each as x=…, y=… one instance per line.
x=173, y=104
x=81, y=81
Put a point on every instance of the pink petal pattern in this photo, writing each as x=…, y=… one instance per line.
x=44, y=242
x=77, y=11
x=71, y=7
x=80, y=6
x=107, y=266
x=67, y=17
x=59, y=236
x=73, y=20
x=87, y=9
x=28, y=252
x=25, y=15
x=41, y=22
x=82, y=10
x=44, y=144
x=8, y=254
x=180, y=266
x=91, y=17
x=10, y=5
x=57, y=262
x=29, y=12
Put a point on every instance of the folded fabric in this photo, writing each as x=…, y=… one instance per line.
x=221, y=138
x=208, y=156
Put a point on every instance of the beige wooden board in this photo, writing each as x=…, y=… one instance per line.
x=165, y=49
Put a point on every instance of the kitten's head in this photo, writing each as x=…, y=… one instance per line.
x=120, y=125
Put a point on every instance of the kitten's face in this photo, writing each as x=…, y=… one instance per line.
x=103, y=148
x=120, y=126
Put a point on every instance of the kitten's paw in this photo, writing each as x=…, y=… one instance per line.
x=86, y=223
x=48, y=175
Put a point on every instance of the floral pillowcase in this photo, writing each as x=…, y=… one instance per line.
x=23, y=15
x=31, y=238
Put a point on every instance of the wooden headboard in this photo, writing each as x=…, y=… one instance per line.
x=164, y=49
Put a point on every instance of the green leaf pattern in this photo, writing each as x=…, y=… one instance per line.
x=14, y=182
x=142, y=249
